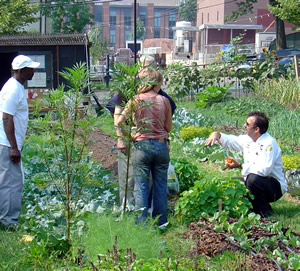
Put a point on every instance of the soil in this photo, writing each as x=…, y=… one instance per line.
x=207, y=242
x=103, y=147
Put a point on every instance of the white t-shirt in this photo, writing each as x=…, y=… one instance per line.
x=13, y=101
x=262, y=157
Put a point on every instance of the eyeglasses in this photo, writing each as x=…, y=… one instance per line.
x=248, y=125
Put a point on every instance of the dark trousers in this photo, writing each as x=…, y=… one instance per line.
x=264, y=190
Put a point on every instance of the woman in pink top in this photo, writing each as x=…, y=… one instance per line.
x=153, y=118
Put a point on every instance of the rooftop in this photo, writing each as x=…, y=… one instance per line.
x=46, y=39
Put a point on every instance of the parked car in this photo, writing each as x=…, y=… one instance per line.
x=282, y=53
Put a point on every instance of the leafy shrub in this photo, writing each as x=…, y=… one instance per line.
x=291, y=161
x=186, y=172
x=211, y=94
x=191, y=132
x=205, y=195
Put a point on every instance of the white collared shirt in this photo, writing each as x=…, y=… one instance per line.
x=262, y=157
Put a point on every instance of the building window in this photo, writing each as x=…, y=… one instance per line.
x=217, y=15
x=157, y=18
x=172, y=22
x=202, y=18
x=127, y=35
x=112, y=37
x=143, y=16
x=208, y=17
x=113, y=17
x=127, y=18
x=156, y=32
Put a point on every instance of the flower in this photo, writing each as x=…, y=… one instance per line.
x=222, y=53
x=276, y=58
x=275, y=64
x=27, y=238
x=273, y=52
x=264, y=50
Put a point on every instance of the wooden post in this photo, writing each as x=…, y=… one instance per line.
x=296, y=67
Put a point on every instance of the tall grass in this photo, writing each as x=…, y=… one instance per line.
x=144, y=241
x=283, y=91
x=284, y=123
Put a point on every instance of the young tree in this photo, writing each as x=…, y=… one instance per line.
x=100, y=48
x=140, y=30
x=15, y=15
x=67, y=16
x=188, y=10
x=246, y=6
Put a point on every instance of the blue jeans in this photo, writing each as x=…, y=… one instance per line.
x=151, y=155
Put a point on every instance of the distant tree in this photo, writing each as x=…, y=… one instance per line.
x=140, y=30
x=100, y=47
x=287, y=10
x=188, y=10
x=67, y=16
x=246, y=6
x=15, y=15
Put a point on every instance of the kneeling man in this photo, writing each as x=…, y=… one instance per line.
x=262, y=167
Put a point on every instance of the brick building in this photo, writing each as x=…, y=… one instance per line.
x=116, y=19
x=213, y=29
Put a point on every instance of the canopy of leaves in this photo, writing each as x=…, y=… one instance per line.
x=68, y=16
x=140, y=30
x=287, y=10
x=15, y=15
x=100, y=48
x=188, y=10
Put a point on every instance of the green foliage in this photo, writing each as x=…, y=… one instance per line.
x=78, y=15
x=100, y=47
x=102, y=231
x=283, y=91
x=291, y=161
x=212, y=94
x=186, y=172
x=140, y=30
x=241, y=232
x=188, y=10
x=191, y=132
x=206, y=196
x=15, y=15
x=63, y=146
x=287, y=10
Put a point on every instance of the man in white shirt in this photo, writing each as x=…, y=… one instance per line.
x=262, y=167
x=13, y=126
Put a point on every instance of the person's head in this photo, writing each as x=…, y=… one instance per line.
x=151, y=80
x=257, y=124
x=147, y=61
x=23, y=67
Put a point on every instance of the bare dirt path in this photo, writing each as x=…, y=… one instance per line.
x=103, y=147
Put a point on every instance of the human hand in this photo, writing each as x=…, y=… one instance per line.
x=15, y=155
x=231, y=163
x=215, y=136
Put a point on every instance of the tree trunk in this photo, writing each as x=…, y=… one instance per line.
x=280, y=30
x=280, y=34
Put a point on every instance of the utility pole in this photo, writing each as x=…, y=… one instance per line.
x=134, y=31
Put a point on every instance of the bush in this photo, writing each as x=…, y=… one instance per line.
x=186, y=172
x=205, y=196
x=191, y=132
x=291, y=161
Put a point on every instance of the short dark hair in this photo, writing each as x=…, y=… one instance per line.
x=261, y=121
